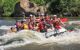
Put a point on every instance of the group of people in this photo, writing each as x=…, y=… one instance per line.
x=41, y=24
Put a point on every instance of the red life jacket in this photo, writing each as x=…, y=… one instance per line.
x=18, y=24
x=56, y=24
x=64, y=19
x=38, y=20
x=47, y=17
x=41, y=26
x=30, y=26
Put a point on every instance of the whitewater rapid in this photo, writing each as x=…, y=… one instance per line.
x=32, y=40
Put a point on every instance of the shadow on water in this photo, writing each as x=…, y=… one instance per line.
x=48, y=47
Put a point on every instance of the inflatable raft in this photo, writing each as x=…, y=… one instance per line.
x=54, y=32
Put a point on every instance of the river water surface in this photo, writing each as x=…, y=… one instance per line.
x=31, y=40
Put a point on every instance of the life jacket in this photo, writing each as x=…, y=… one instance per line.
x=30, y=26
x=56, y=24
x=41, y=26
x=18, y=24
x=38, y=20
x=47, y=17
x=49, y=22
x=25, y=26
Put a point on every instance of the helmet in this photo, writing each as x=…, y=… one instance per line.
x=55, y=15
x=42, y=14
x=31, y=15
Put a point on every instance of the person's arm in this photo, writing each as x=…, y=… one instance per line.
x=61, y=22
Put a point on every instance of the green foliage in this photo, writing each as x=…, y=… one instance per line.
x=1, y=3
x=70, y=4
x=41, y=2
x=8, y=6
x=65, y=6
x=55, y=6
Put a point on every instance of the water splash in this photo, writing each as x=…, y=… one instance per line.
x=31, y=40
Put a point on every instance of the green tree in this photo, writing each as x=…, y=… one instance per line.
x=70, y=6
x=8, y=6
x=54, y=6
x=42, y=2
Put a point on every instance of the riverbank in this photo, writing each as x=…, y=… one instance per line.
x=17, y=18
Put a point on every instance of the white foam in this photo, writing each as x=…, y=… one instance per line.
x=4, y=27
x=31, y=37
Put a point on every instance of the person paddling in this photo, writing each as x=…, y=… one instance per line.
x=57, y=23
x=24, y=25
x=31, y=26
x=42, y=27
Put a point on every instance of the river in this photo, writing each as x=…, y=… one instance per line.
x=31, y=40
